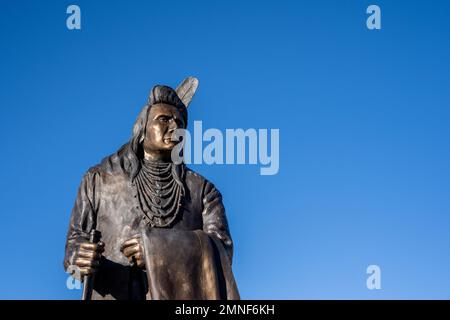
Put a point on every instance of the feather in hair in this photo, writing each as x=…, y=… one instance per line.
x=186, y=90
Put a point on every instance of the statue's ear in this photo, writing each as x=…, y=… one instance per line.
x=186, y=90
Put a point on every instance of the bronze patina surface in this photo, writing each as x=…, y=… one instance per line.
x=163, y=229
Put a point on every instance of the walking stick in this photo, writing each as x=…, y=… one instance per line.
x=88, y=279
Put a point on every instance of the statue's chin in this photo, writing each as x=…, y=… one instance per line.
x=163, y=153
x=161, y=147
x=169, y=145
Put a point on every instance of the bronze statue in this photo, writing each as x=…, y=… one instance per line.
x=163, y=229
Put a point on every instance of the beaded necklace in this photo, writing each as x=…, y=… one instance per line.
x=159, y=194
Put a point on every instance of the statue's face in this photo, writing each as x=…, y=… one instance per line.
x=162, y=121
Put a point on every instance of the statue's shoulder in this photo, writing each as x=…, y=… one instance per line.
x=193, y=176
x=114, y=164
x=93, y=172
x=111, y=165
x=197, y=179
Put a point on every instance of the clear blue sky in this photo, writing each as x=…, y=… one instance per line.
x=364, y=134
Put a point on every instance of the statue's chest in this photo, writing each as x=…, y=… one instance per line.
x=120, y=215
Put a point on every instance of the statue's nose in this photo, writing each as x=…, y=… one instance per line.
x=173, y=125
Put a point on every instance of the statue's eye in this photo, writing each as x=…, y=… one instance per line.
x=163, y=119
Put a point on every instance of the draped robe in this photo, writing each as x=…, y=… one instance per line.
x=191, y=259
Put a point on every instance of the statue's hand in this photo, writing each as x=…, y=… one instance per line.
x=132, y=249
x=88, y=257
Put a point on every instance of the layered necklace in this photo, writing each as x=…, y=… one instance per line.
x=158, y=192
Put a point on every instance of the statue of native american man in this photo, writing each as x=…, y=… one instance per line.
x=162, y=228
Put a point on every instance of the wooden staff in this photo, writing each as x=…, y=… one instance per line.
x=88, y=279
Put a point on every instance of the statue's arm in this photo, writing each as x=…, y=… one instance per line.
x=83, y=217
x=214, y=218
